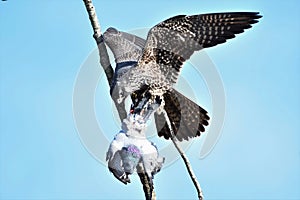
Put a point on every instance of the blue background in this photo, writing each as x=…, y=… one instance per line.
x=43, y=44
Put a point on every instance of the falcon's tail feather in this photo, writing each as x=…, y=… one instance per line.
x=187, y=118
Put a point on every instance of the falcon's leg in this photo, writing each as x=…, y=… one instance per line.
x=144, y=102
x=152, y=107
x=146, y=105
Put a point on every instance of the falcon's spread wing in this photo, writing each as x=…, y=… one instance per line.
x=138, y=42
x=126, y=48
x=187, y=118
x=174, y=40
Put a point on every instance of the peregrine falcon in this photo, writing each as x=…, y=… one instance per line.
x=150, y=69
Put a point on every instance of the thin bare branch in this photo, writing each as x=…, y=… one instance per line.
x=148, y=190
x=104, y=58
x=105, y=63
x=185, y=159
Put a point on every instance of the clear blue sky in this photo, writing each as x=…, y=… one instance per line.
x=44, y=43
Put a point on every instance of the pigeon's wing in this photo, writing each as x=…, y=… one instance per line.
x=114, y=158
x=115, y=165
x=188, y=119
x=174, y=40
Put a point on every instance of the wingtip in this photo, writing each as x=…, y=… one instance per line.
x=257, y=15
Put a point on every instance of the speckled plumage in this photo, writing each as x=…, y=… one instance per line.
x=159, y=61
x=171, y=42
